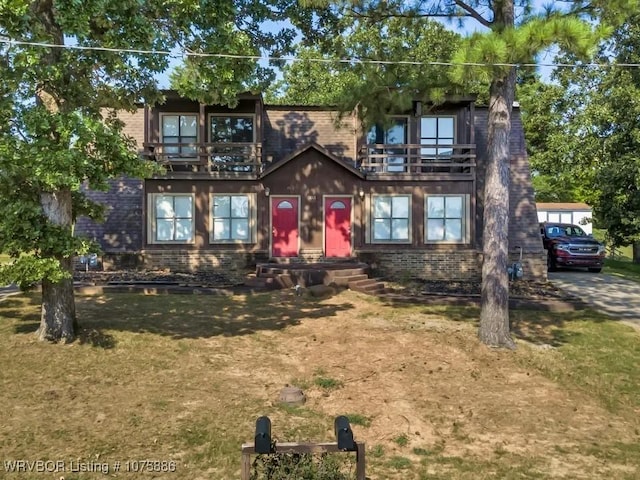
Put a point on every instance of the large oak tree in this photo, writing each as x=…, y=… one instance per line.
x=66, y=68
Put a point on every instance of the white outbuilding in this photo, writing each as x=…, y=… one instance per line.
x=575, y=213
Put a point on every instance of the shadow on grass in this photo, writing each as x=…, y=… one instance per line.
x=193, y=316
x=551, y=328
x=21, y=309
x=535, y=326
x=96, y=338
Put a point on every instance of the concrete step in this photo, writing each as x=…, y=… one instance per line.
x=280, y=275
x=254, y=281
x=276, y=270
x=285, y=280
x=348, y=271
x=344, y=280
x=369, y=286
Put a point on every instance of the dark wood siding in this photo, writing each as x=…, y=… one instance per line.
x=287, y=130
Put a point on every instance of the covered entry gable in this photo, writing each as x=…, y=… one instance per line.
x=292, y=161
x=322, y=191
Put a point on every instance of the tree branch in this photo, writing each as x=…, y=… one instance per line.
x=473, y=13
x=17, y=128
x=384, y=16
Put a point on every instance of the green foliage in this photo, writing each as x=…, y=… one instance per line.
x=327, y=383
x=28, y=270
x=584, y=135
x=555, y=178
x=399, y=463
x=377, y=451
x=378, y=89
x=59, y=128
x=401, y=440
x=293, y=466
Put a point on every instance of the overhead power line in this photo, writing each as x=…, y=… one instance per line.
x=291, y=59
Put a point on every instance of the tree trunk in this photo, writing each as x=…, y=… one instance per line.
x=494, y=313
x=494, y=301
x=58, y=316
x=636, y=252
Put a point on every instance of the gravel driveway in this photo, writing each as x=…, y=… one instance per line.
x=613, y=295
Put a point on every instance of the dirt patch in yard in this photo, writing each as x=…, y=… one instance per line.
x=419, y=376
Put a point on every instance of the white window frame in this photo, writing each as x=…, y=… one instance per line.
x=179, y=157
x=373, y=220
x=436, y=139
x=152, y=219
x=251, y=217
x=465, y=219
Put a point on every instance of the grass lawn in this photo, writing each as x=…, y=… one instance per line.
x=623, y=268
x=183, y=378
x=620, y=264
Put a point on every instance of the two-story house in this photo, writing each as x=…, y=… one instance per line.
x=260, y=183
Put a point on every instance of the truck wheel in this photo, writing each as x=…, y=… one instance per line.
x=551, y=263
x=595, y=270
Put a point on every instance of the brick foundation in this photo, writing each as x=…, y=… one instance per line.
x=401, y=264
x=231, y=264
x=458, y=265
x=534, y=265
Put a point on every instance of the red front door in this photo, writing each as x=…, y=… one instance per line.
x=284, y=223
x=337, y=222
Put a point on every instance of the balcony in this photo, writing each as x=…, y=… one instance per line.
x=207, y=159
x=411, y=161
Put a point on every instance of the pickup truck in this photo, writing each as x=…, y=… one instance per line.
x=569, y=246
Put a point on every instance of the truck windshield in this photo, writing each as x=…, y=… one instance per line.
x=565, y=231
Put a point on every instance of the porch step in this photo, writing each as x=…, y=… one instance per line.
x=342, y=280
x=280, y=275
x=370, y=286
x=252, y=280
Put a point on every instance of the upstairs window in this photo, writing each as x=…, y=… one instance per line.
x=389, y=158
x=437, y=134
x=231, y=129
x=226, y=132
x=180, y=135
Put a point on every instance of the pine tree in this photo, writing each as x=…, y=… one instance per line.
x=509, y=34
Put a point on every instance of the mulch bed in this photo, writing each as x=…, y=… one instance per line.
x=156, y=277
x=523, y=289
x=518, y=288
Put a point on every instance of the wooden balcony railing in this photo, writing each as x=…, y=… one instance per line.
x=207, y=158
x=395, y=159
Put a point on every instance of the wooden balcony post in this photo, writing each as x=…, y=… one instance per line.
x=203, y=158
